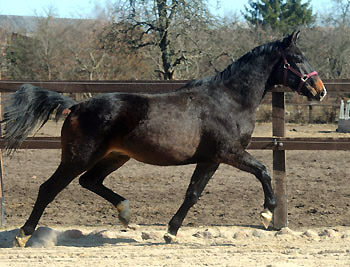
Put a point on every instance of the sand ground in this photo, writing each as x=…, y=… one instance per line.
x=223, y=229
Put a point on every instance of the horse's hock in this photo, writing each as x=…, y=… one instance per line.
x=344, y=117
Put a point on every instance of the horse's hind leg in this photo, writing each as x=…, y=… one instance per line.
x=248, y=163
x=93, y=180
x=200, y=178
x=47, y=192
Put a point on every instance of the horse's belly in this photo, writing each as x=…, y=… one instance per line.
x=163, y=156
x=161, y=159
x=159, y=150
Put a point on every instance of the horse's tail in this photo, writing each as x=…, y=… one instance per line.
x=28, y=107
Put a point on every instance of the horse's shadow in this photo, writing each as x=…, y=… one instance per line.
x=7, y=237
x=45, y=237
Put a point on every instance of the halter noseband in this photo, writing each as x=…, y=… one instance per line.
x=303, y=77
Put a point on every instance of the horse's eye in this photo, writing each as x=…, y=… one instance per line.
x=296, y=59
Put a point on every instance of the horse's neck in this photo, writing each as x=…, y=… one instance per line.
x=249, y=81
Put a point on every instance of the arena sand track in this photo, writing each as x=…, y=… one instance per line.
x=199, y=246
x=222, y=229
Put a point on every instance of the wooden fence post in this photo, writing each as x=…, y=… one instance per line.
x=279, y=162
x=310, y=114
x=2, y=200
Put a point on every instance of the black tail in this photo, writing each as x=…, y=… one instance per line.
x=28, y=107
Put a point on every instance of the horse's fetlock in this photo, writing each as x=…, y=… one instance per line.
x=124, y=212
x=273, y=204
x=270, y=204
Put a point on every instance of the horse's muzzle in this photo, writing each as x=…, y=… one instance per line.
x=320, y=89
x=322, y=94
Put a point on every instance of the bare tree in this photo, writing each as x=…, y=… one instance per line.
x=332, y=39
x=340, y=13
x=39, y=54
x=162, y=26
x=50, y=38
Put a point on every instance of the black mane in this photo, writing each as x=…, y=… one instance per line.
x=236, y=66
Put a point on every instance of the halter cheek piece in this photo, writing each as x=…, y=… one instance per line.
x=303, y=77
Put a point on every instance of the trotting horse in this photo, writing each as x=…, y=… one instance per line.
x=207, y=122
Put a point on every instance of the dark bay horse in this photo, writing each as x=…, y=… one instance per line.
x=207, y=122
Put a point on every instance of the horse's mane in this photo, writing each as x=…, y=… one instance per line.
x=233, y=68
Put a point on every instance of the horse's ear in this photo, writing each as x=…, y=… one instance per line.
x=291, y=39
x=295, y=36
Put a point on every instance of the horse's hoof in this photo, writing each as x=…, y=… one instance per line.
x=123, y=221
x=169, y=238
x=124, y=213
x=266, y=218
x=21, y=239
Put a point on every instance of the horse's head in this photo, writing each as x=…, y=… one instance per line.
x=294, y=70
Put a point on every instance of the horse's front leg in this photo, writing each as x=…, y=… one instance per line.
x=245, y=162
x=200, y=178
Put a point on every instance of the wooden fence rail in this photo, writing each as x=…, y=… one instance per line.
x=278, y=142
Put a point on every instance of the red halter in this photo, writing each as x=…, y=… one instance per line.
x=303, y=77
